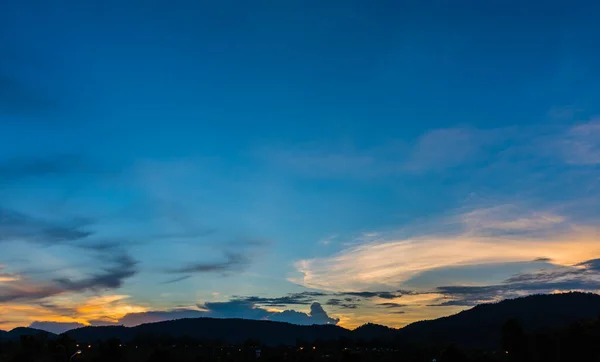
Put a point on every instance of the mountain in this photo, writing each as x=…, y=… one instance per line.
x=477, y=327
x=16, y=333
x=374, y=332
x=229, y=330
x=481, y=325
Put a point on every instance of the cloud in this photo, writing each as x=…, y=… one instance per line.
x=317, y=315
x=16, y=226
x=234, y=262
x=112, y=276
x=56, y=327
x=349, y=300
x=392, y=305
x=435, y=150
x=581, y=277
x=233, y=309
x=509, y=218
x=383, y=295
x=8, y=277
x=134, y=319
x=581, y=144
x=328, y=240
x=593, y=265
x=69, y=309
x=119, y=267
x=103, y=323
x=176, y=280
x=478, y=240
x=340, y=303
x=302, y=298
x=24, y=290
x=441, y=149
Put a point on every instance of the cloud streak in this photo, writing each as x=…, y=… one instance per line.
x=234, y=262
x=16, y=226
x=581, y=145
x=392, y=262
x=118, y=268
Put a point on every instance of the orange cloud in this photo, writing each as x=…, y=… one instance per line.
x=489, y=236
x=64, y=309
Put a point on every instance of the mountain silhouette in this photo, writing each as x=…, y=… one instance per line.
x=227, y=330
x=481, y=326
x=477, y=327
x=16, y=333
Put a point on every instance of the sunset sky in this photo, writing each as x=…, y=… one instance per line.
x=303, y=161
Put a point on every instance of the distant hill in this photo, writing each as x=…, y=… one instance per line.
x=481, y=326
x=16, y=333
x=229, y=330
x=374, y=332
x=476, y=327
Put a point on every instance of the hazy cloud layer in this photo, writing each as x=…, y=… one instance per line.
x=581, y=145
x=232, y=309
x=482, y=236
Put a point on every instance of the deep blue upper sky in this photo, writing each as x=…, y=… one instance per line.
x=258, y=148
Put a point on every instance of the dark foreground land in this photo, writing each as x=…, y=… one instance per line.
x=549, y=328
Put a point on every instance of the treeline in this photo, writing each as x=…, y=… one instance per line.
x=575, y=342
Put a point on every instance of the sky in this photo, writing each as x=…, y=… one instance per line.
x=314, y=162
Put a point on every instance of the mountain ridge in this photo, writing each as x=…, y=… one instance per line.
x=476, y=327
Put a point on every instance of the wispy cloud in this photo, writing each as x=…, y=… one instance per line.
x=61, y=313
x=392, y=305
x=176, y=280
x=434, y=151
x=234, y=262
x=328, y=240
x=581, y=144
x=290, y=299
x=442, y=149
x=391, y=262
x=119, y=267
x=18, y=226
x=446, y=148
x=582, y=277
x=116, y=268
x=510, y=218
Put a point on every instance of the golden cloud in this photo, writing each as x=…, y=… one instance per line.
x=390, y=263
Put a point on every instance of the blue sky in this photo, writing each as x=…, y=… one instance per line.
x=164, y=158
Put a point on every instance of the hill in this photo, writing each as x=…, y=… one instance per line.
x=481, y=326
x=477, y=327
x=228, y=330
x=16, y=333
x=374, y=332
